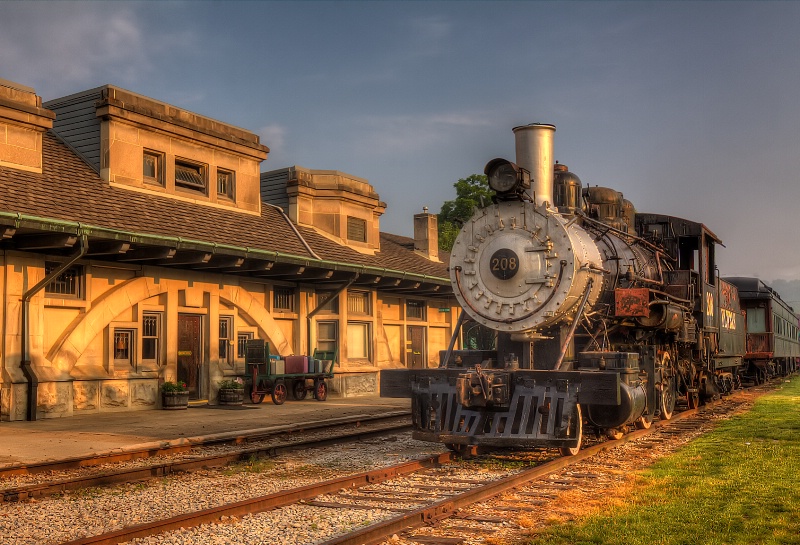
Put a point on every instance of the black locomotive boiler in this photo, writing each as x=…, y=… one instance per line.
x=603, y=315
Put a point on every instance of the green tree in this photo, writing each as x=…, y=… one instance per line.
x=470, y=193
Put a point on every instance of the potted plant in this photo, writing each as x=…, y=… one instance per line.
x=174, y=395
x=231, y=391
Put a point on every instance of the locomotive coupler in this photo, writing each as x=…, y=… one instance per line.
x=481, y=389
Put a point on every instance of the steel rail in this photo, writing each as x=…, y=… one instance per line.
x=263, y=503
x=381, y=531
x=161, y=448
x=445, y=508
x=183, y=466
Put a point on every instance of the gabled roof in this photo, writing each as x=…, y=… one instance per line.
x=69, y=196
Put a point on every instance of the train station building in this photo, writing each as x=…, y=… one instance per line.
x=144, y=243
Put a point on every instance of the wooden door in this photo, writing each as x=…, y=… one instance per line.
x=416, y=357
x=190, y=352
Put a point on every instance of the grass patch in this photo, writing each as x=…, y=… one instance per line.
x=254, y=464
x=740, y=484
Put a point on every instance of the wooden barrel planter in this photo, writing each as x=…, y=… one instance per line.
x=174, y=401
x=231, y=396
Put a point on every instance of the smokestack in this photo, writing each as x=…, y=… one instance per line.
x=534, y=145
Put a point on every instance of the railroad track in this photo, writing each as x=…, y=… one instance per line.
x=409, y=501
x=196, y=455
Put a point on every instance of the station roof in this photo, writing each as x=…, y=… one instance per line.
x=47, y=212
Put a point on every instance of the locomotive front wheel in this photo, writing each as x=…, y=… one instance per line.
x=299, y=390
x=644, y=423
x=465, y=451
x=575, y=430
x=321, y=390
x=279, y=393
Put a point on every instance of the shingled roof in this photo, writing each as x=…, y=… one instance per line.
x=68, y=189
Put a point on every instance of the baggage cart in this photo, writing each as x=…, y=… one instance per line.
x=267, y=374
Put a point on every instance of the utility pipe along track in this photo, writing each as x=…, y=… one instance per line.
x=199, y=462
x=458, y=493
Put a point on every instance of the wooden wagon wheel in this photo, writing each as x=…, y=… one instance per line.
x=321, y=390
x=299, y=389
x=279, y=393
x=255, y=395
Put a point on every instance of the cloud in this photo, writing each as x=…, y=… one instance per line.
x=59, y=46
x=274, y=137
x=400, y=134
x=429, y=36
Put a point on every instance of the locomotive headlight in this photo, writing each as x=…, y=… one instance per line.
x=505, y=177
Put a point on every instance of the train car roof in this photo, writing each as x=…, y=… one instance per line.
x=754, y=288
x=686, y=227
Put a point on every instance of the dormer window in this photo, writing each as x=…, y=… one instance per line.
x=190, y=176
x=225, y=183
x=153, y=167
x=356, y=229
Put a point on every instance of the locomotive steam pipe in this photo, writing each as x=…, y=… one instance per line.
x=456, y=331
x=571, y=334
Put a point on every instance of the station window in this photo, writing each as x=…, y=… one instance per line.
x=283, y=299
x=153, y=167
x=68, y=284
x=241, y=344
x=356, y=229
x=358, y=340
x=123, y=346
x=225, y=337
x=415, y=310
x=331, y=306
x=151, y=336
x=358, y=302
x=226, y=183
x=190, y=176
x=327, y=336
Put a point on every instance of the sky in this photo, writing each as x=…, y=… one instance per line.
x=689, y=108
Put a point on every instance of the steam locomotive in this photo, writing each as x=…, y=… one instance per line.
x=604, y=317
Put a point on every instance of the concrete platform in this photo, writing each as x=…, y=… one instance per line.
x=60, y=438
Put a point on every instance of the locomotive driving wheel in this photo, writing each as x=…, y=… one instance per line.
x=279, y=393
x=668, y=398
x=666, y=389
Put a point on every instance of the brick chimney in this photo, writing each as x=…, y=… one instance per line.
x=22, y=122
x=426, y=235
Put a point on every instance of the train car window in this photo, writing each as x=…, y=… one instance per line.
x=710, y=264
x=756, y=320
x=688, y=254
